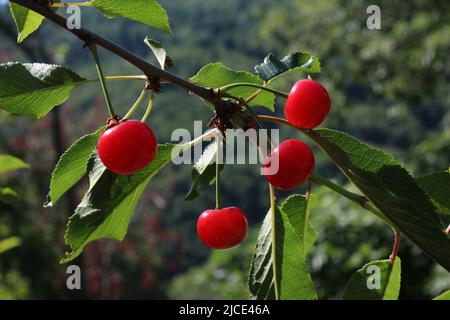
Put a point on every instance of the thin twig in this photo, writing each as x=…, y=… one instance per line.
x=91, y=38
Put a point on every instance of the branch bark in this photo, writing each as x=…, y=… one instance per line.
x=89, y=37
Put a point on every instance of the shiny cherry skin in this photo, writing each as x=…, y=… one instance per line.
x=307, y=105
x=127, y=147
x=222, y=228
x=295, y=164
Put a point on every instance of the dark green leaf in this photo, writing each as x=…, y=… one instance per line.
x=298, y=210
x=375, y=281
x=71, y=166
x=9, y=163
x=107, y=207
x=216, y=75
x=148, y=12
x=384, y=181
x=273, y=68
x=204, y=171
x=27, y=21
x=437, y=185
x=293, y=279
x=33, y=89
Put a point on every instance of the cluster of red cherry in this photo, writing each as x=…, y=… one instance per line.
x=131, y=146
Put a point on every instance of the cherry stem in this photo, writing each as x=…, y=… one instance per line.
x=116, y=78
x=149, y=107
x=183, y=147
x=257, y=93
x=254, y=95
x=274, y=260
x=218, y=172
x=281, y=121
x=136, y=104
x=307, y=211
x=254, y=114
x=70, y=4
x=93, y=49
x=120, y=78
x=260, y=124
x=253, y=85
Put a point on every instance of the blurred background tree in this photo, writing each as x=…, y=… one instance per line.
x=389, y=87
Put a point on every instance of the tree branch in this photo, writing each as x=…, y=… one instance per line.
x=148, y=69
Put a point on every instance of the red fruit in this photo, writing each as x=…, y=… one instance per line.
x=222, y=228
x=127, y=147
x=307, y=105
x=295, y=164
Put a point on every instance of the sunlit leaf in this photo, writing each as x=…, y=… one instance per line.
x=216, y=75
x=148, y=12
x=375, y=281
x=298, y=210
x=293, y=278
x=34, y=89
x=27, y=21
x=107, y=207
x=71, y=166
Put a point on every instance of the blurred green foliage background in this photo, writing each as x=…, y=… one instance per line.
x=389, y=87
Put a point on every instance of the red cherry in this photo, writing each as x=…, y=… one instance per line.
x=295, y=164
x=127, y=147
x=222, y=228
x=307, y=105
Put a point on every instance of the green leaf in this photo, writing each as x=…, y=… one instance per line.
x=443, y=296
x=71, y=166
x=204, y=171
x=33, y=89
x=216, y=75
x=437, y=185
x=385, y=182
x=293, y=278
x=27, y=21
x=9, y=243
x=158, y=51
x=7, y=195
x=273, y=68
x=107, y=207
x=298, y=210
x=148, y=12
x=9, y=163
x=375, y=281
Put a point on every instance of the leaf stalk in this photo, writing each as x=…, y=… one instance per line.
x=253, y=85
x=136, y=104
x=93, y=49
